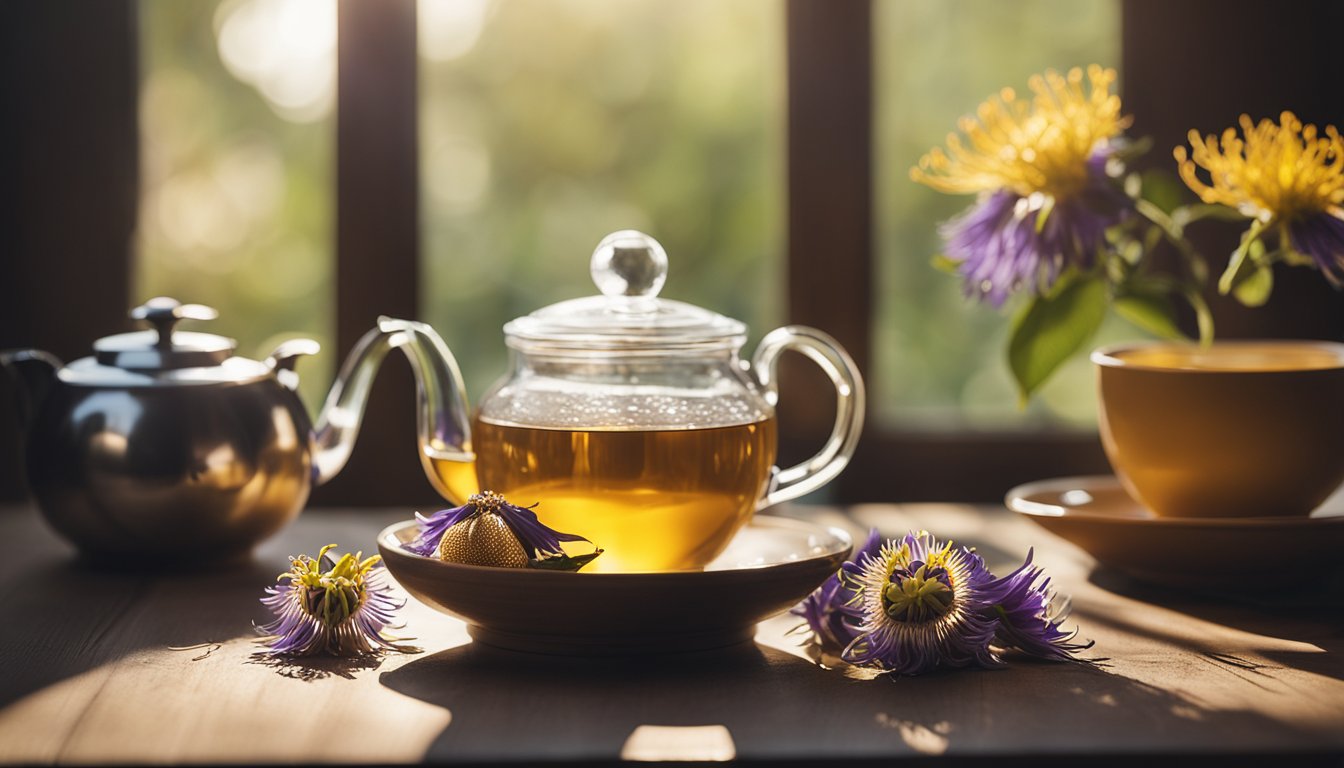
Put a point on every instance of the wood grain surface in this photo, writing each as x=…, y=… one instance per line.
x=89, y=674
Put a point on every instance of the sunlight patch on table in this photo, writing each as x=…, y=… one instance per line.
x=33, y=728
x=931, y=739
x=682, y=742
x=116, y=712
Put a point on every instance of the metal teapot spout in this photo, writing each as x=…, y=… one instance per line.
x=443, y=427
x=35, y=373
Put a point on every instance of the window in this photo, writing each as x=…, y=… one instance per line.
x=236, y=121
x=472, y=181
x=546, y=124
x=938, y=360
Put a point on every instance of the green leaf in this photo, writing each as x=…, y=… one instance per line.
x=1151, y=312
x=1163, y=190
x=563, y=562
x=1133, y=185
x=1132, y=251
x=1253, y=283
x=1051, y=329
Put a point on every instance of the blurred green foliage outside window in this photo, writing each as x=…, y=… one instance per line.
x=237, y=169
x=545, y=124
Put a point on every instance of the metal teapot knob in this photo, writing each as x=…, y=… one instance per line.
x=164, y=313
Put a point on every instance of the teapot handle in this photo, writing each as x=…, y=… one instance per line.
x=826, y=352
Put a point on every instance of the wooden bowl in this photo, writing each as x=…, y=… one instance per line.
x=770, y=565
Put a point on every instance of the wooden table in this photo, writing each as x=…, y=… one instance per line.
x=89, y=673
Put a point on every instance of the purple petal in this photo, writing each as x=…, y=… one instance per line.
x=1322, y=238
x=538, y=540
x=1001, y=248
x=1022, y=603
x=433, y=527
x=909, y=653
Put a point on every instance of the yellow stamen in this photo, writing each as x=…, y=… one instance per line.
x=1282, y=172
x=1043, y=146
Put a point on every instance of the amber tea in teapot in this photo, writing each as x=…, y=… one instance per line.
x=661, y=499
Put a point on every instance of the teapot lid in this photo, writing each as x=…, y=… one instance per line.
x=163, y=357
x=163, y=348
x=629, y=269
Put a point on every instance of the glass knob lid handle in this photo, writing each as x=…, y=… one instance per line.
x=629, y=264
x=164, y=313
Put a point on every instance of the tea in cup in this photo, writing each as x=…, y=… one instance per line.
x=1233, y=429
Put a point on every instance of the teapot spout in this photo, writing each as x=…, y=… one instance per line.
x=443, y=429
x=35, y=373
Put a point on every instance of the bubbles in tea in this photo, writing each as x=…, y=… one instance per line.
x=653, y=499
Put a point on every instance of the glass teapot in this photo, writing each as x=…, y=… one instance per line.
x=631, y=419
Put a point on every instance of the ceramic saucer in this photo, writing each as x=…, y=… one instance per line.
x=769, y=566
x=1096, y=514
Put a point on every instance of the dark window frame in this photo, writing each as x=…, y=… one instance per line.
x=70, y=167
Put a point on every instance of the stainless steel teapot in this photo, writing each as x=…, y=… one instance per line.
x=166, y=445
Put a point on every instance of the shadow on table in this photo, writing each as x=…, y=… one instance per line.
x=512, y=706
x=1311, y=614
x=63, y=617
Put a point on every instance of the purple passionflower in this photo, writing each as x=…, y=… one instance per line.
x=540, y=543
x=915, y=604
x=1008, y=242
x=323, y=605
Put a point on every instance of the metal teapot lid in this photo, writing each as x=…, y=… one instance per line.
x=163, y=348
x=164, y=356
x=629, y=269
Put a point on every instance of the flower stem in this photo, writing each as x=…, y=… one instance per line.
x=1226, y=282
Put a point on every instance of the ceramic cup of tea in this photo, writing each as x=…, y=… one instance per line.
x=1234, y=429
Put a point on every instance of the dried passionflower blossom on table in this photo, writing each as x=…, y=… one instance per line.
x=340, y=607
x=1059, y=220
x=911, y=605
x=1286, y=179
x=488, y=530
